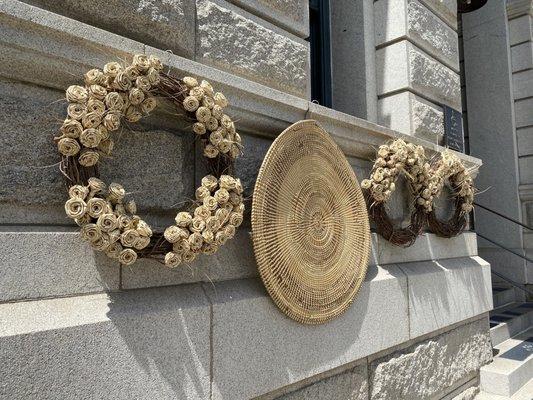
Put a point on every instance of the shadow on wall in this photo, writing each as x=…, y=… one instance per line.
x=258, y=349
x=166, y=336
x=437, y=302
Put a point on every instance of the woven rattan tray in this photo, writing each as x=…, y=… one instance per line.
x=310, y=225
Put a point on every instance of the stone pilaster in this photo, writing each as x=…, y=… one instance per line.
x=417, y=64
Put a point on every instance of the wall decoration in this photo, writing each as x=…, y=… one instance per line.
x=395, y=159
x=107, y=220
x=426, y=180
x=310, y=226
x=449, y=169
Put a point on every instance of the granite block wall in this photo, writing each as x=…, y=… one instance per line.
x=74, y=324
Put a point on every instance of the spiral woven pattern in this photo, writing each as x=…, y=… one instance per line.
x=310, y=225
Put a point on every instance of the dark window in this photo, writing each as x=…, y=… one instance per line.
x=319, y=38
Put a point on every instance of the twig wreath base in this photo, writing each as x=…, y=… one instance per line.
x=450, y=171
x=395, y=159
x=384, y=225
x=426, y=181
x=109, y=222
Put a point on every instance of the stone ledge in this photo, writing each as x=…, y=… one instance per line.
x=44, y=264
x=428, y=247
x=235, y=260
x=72, y=48
x=359, y=138
x=292, y=15
x=51, y=262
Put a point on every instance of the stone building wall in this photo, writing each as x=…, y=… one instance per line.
x=520, y=15
x=498, y=83
x=73, y=324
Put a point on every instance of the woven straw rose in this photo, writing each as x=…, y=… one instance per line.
x=68, y=146
x=77, y=94
x=78, y=191
x=97, y=207
x=90, y=232
x=127, y=257
x=172, y=260
x=71, y=128
x=88, y=158
x=75, y=207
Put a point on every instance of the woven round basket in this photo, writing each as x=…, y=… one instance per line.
x=310, y=225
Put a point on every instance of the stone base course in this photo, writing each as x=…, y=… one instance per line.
x=120, y=346
x=429, y=369
x=459, y=288
x=45, y=264
x=257, y=349
x=348, y=385
x=167, y=340
x=292, y=15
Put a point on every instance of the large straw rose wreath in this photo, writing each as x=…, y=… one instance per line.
x=107, y=219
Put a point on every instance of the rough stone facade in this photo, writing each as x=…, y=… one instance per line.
x=160, y=23
x=429, y=369
x=407, y=112
x=235, y=41
x=348, y=385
